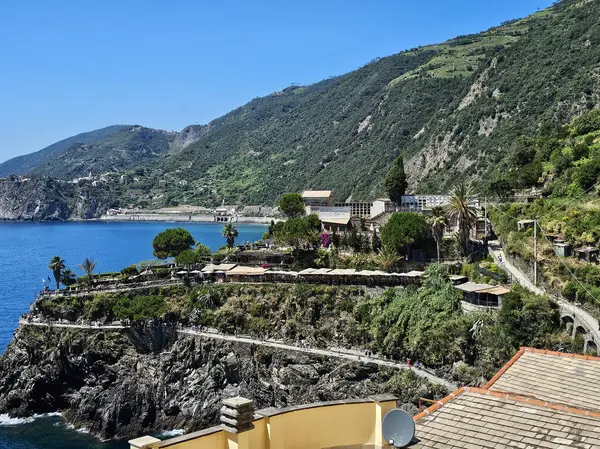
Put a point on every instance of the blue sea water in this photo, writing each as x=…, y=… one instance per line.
x=25, y=250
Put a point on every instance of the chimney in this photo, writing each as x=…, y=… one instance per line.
x=237, y=415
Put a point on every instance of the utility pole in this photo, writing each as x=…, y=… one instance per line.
x=535, y=252
x=486, y=220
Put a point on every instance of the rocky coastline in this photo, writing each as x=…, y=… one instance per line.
x=120, y=384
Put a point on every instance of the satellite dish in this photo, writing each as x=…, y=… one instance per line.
x=398, y=428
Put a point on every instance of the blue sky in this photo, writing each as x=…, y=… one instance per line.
x=73, y=66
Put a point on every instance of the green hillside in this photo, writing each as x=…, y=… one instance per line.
x=130, y=147
x=21, y=165
x=564, y=163
x=454, y=110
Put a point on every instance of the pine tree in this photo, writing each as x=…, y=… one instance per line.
x=395, y=181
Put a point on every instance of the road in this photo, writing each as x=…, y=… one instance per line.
x=352, y=355
x=591, y=323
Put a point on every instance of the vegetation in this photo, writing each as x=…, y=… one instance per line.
x=88, y=266
x=395, y=181
x=292, y=205
x=452, y=110
x=202, y=250
x=297, y=232
x=403, y=230
x=230, y=232
x=187, y=258
x=424, y=324
x=463, y=212
x=562, y=163
x=438, y=222
x=68, y=278
x=171, y=242
x=57, y=265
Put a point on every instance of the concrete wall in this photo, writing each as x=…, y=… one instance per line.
x=355, y=423
x=182, y=218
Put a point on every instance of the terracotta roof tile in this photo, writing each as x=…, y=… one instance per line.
x=479, y=418
x=554, y=378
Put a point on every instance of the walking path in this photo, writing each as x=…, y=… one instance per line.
x=353, y=355
x=591, y=323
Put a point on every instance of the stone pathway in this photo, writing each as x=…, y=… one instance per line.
x=588, y=320
x=352, y=354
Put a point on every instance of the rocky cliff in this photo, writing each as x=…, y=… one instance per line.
x=50, y=199
x=131, y=382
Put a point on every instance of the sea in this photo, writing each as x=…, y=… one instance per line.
x=25, y=251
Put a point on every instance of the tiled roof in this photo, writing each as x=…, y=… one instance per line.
x=316, y=194
x=539, y=399
x=479, y=418
x=554, y=377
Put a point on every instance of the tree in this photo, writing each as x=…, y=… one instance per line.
x=187, y=258
x=67, y=277
x=88, y=266
x=292, y=205
x=296, y=232
x=461, y=210
x=313, y=222
x=171, y=242
x=202, y=250
x=230, y=232
x=403, y=230
x=438, y=222
x=395, y=181
x=387, y=258
x=375, y=242
x=57, y=265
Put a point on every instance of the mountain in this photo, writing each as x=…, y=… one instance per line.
x=128, y=148
x=21, y=165
x=454, y=110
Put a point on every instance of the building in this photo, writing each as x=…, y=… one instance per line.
x=335, y=218
x=416, y=203
x=382, y=206
x=523, y=225
x=588, y=254
x=481, y=296
x=562, y=249
x=315, y=199
x=539, y=399
x=357, y=209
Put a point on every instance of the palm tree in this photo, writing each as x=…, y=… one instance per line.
x=67, y=277
x=230, y=232
x=387, y=258
x=461, y=209
x=57, y=265
x=438, y=222
x=88, y=267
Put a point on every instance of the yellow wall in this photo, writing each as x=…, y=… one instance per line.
x=317, y=427
x=213, y=441
x=324, y=427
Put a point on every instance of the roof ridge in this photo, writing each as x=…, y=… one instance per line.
x=508, y=364
x=569, y=355
x=525, y=398
x=533, y=401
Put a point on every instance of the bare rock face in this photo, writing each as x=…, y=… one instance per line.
x=127, y=383
x=47, y=199
x=31, y=199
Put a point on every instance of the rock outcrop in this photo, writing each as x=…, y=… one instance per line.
x=49, y=199
x=126, y=383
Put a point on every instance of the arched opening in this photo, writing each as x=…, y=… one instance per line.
x=591, y=348
x=568, y=322
x=580, y=330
